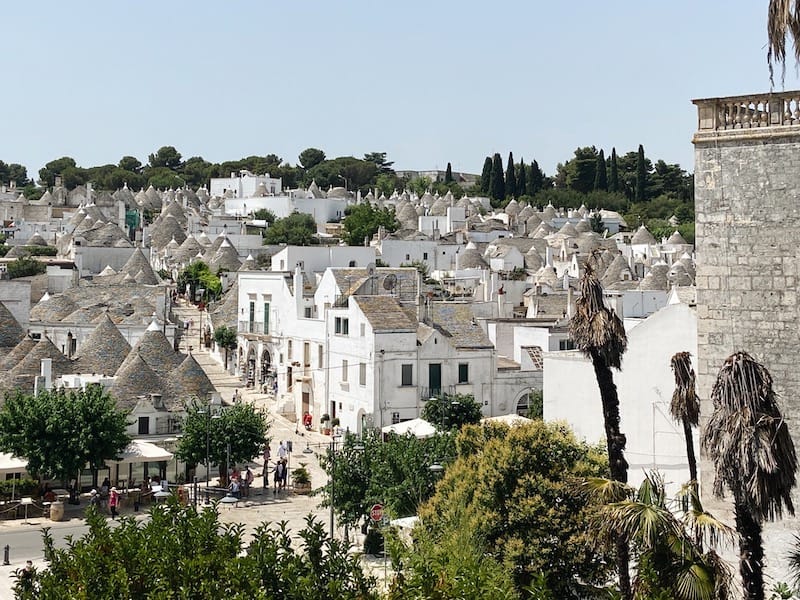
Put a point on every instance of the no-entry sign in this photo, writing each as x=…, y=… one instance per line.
x=376, y=512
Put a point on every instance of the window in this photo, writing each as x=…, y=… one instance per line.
x=266, y=317
x=344, y=371
x=424, y=256
x=407, y=374
x=362, y=329
x=362, y=373
x=566, y=345
x=341, y=325
x=307, y=312
x=463, y=372
x=395, y=418
x=252, y=311
x=408, y=257
x=319, y=355
x=144, y=425
x=289, y=349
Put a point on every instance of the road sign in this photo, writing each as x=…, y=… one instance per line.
x=376, y=512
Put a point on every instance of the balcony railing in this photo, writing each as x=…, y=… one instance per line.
x=777, y=109
x=252, y=327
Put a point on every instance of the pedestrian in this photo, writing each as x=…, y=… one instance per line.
x=113, y=502
x=283, y=450
x=26, y=577
x=234, y=488
x=94, y=499
x=267, y=455
x=307, y=421
x=280, y=476
x=247, y=479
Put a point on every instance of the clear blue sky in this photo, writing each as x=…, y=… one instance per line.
x=426, y=82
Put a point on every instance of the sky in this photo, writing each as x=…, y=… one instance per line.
x=426, y=82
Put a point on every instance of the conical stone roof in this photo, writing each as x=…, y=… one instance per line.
x=11, y=332
x=104, y=350
x=642, y=236
x=189, y=379
x=135, y=378
x=26, y=370
x=138, y=262
x=17, y=353
x=154, y=348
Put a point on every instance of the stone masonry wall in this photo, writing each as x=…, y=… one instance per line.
x=747, y=195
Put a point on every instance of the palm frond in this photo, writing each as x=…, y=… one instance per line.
x=793, y=557
x=684, y=406
x=749, y=441
x=606, y=491
x=783, y=21
x=596, y=329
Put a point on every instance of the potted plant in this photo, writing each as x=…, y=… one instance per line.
x=301, y=479
x=325, y=424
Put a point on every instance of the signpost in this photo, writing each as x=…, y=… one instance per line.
x=376, y=512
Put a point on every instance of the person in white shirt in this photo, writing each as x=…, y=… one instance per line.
x=282, y=450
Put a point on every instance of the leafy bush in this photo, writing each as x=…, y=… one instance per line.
x=20, y=487
x=25, y=267
x=40, y=250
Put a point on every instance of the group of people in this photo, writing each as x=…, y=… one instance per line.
x=107, y=496
x=239, y=485
x=280, y=475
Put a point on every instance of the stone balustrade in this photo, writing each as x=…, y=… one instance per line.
x=776, y=109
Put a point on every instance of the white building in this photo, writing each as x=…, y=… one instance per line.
x=645, y=386
x=244, y=185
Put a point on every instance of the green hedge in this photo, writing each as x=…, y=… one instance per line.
x=22, y=487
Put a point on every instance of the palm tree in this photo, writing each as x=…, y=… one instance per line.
x=754, y=457
x=670, y=562
x=598, y=332
x=685, y=407
x=783, y=20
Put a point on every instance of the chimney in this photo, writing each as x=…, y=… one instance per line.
x=46, y=372
x=570, y=304
x=298, y=288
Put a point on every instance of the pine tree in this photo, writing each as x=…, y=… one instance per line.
x=498, y=184
x=536, y=181
x=448, y=174
x=641, y=175
x=486, y=175
x=613, y=185
x=522, y=178
x=600, y=176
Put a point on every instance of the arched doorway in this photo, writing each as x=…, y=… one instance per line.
x=266, y=367
x=529, y=404
x=251, y=367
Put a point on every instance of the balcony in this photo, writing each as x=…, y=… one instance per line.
x=252, y=327
x=756, y=111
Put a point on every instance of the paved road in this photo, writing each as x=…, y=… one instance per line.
x=25, y=539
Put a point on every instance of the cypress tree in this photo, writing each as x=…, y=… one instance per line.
x=600, y=176
x=536, y=181
x=486, y=175
x=448, y=174
x=511, y=178
x=613, y=184
x=498, y=185
x=522, y=178
x=641, y=175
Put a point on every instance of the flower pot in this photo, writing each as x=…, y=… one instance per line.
x=302, y=488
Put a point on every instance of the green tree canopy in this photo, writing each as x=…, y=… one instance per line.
x=452, y=411
x=516, y=492
x=511, y=177
x=48, y=173
x=486, y=175
x=344, y=171
x=60, y=431
x=197, y=276
x=448, y=174
x=311, y=157
x=497, y=186
x=363, y=220
x=379, y=160
x=130, y=163
x=225, y=337
x=241, y=426
x=182, y=553
x=264, y=214
x=166, y=156
x=298, y=229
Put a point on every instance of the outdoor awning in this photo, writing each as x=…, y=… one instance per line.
x=509, y=420
x=12, y=464
x=419, y=428
x=141, y=451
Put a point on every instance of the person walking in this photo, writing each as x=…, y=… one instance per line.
x=247, y=480
x=280, y=476
x=113, y=502
x=265, y=472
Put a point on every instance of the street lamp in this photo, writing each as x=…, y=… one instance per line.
x=343, y=178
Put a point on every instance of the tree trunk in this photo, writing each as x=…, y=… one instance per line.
x=751, y=553
x=615, y=442
x=687, y=433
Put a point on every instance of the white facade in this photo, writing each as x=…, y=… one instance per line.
x=645, y=386
x=243, y=185
x=437, y=255
x=322, y=210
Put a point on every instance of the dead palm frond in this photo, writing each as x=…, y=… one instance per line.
x=749, y=441
x=793, y=558
x=783, y=20
x=596, y=329
x=685, y=406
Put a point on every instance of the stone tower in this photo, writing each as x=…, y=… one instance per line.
x=747, y=198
